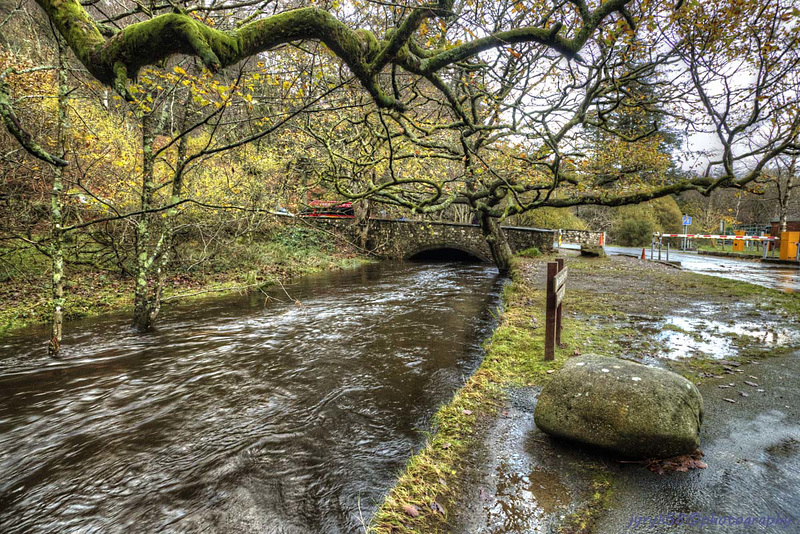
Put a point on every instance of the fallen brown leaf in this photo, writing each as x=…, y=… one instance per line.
x=680, y=464
x=411, y=510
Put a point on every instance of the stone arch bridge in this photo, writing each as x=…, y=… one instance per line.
x=402, y=239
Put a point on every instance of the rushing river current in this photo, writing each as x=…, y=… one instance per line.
x=236, y=414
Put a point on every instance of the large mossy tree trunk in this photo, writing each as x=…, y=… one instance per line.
x=56, y=209
x=498, y=244
x=142, y=318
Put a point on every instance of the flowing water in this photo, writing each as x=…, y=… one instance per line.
x=236, y=415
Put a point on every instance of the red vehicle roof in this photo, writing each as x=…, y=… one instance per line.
x=330, y=204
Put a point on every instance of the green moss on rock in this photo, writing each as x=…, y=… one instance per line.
x=626, y=407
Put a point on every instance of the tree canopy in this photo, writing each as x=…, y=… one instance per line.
x=519, y=74
x=151, y=113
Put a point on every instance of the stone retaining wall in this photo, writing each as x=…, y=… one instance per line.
x=581, y=237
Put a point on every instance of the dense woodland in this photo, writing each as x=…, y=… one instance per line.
x=146, y=144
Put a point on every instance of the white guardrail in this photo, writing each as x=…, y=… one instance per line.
x=711, y=236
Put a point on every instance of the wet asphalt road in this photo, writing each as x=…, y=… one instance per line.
x=529, y=482
x=775, y=276
x=752, y=448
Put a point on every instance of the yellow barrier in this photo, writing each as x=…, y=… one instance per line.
x=789, y=245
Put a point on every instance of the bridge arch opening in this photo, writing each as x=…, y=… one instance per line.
x=446, y=254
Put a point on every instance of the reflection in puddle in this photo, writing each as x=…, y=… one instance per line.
x=682, y=337
x=524, y=499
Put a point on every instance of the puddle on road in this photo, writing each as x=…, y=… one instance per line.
x=523, y=500
x=706, y=331
x=683, y=336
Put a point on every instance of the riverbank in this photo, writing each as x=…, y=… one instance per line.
x=487, y=469
x=247, y=263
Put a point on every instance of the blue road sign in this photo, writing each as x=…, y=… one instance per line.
x=687, y=220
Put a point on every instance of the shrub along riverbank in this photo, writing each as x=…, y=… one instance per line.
x=615, y=307
x=243, y=263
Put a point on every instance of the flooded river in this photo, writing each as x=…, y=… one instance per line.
x=293, y=416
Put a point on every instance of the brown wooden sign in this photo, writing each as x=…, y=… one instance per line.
x=556, y=287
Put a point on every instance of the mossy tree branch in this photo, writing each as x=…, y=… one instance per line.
x=116, y=59
x=113, y=61
x=14, y=126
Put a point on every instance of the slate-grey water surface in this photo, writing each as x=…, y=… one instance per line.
x=236, y=416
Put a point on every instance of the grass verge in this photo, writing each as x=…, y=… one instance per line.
x=728, y=249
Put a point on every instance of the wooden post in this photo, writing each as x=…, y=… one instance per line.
x=550, y=314
x=560, y=263
x=556, y=287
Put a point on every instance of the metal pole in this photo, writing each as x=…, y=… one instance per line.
x=667, y=250
x=685, y=239
x=652, y=248
x=660, y=244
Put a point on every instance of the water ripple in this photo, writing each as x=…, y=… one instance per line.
x=233, y=416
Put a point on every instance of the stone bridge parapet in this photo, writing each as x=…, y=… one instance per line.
x=403, y=239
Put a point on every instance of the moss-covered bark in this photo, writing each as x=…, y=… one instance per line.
x=140, y=294
x=14, y=127
x=498, y=244
x=56, y=211
x=153, y=252
x=114, y=60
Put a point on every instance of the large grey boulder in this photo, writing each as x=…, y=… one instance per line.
x=626, y=407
